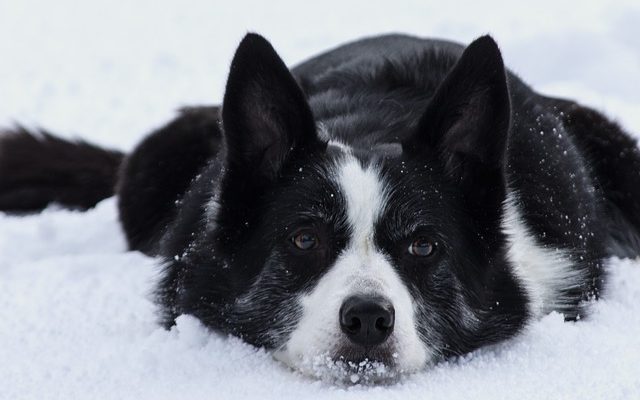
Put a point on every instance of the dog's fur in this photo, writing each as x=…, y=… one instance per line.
x=365, y=149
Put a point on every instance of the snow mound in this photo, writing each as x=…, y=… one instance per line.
x=78, y=323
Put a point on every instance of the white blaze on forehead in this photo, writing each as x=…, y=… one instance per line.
x=365, y=197
x=360, y=268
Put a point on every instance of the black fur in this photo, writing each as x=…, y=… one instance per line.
x=219, y=192
x=37, y=169
x=155, y=176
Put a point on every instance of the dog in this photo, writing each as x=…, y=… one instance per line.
x=387, y=204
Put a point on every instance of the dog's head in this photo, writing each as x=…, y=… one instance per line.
x=374, y=261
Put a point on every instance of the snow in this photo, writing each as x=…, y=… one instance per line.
x=76, y=320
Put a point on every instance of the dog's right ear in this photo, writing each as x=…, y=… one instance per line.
x=265, y=114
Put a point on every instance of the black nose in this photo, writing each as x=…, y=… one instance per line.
x=367, y=320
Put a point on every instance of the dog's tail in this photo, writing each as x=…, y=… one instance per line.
x=38, y=169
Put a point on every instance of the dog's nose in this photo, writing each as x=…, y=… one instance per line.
x=367, y=320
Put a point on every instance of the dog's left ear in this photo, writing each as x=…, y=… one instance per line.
x=265, y=113
x=467, y=121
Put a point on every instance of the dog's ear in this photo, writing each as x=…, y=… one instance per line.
x=467, y=120
x=265, y=114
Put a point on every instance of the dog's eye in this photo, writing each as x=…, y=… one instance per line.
x=421, y=247
x=305, y=240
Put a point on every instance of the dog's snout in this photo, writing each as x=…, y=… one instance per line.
x=367, y=320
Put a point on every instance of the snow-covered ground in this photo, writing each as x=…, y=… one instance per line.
x=76, y=321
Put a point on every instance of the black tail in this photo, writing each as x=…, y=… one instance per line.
x=38, y=169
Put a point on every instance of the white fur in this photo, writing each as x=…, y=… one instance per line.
x=212, y=209
x=544, y=272
x=341, y=146
x=359, y=269
x=323, y=132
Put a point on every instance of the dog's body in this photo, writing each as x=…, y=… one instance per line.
x=395, y=200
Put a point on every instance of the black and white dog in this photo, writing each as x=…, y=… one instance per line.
x=387, y=204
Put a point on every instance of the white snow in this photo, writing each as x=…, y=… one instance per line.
x=76, y=320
